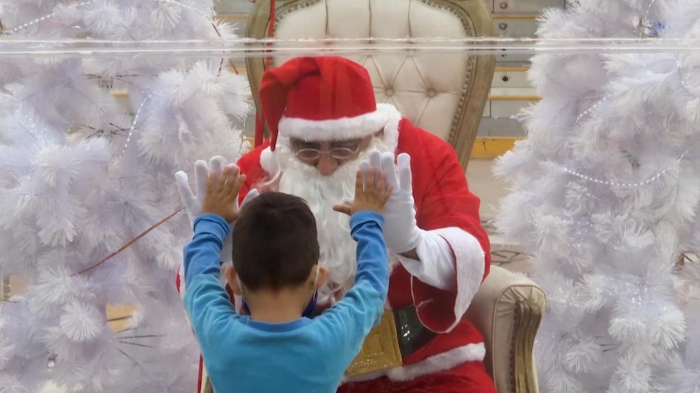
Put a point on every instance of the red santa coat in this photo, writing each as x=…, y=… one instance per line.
x=443, y=201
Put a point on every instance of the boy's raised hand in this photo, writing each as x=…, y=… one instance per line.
x=222, y=194
x=370, y=194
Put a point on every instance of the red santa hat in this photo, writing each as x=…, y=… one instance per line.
x=324, y=98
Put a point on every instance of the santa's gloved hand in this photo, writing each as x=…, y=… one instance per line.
x=401, y=233
x=193, y=204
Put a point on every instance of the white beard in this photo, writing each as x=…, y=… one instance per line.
x=322, y=193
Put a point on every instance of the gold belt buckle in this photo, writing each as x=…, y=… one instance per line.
x=380, y=351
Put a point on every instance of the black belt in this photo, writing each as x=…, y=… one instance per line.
x=411, y=333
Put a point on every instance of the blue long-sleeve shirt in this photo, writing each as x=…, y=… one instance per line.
x=304, y=355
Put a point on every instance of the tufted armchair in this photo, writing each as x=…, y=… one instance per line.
x=444, y=94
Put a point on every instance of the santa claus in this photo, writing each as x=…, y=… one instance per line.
x=324, y=123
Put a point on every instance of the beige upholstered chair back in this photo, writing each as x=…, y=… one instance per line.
x=443, y=93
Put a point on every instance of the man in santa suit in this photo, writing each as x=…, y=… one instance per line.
x=324, y=123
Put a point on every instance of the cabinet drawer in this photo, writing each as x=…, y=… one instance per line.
x=515, y=27
x=506, y=59
x=511, y=77
x=233, y=6
x=500, y=127
x=508, y=108
x=525, y=6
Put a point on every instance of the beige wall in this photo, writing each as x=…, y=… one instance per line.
x=118, y=312
x=17, y=285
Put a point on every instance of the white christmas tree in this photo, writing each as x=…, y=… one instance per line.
x=605, y=195
x=82, y=176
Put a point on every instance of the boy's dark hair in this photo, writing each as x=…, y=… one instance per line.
x=275, y=243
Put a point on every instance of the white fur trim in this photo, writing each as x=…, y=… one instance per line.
x=470, y=262
x=391, y=129
x=434, y=364
x=268, y=161
x=338, y=129
x=435, y=265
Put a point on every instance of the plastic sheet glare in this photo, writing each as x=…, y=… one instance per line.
x=246, y=48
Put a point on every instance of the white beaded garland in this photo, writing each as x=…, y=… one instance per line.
x=43, y=18
x=133, y=125
x=625, y=185
x=591, y=109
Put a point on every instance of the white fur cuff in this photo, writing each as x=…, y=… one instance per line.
x=432, y=365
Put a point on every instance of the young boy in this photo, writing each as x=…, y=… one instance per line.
x=275, y=255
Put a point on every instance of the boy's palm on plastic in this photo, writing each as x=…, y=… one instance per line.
x=222, y=194
x=371, y=193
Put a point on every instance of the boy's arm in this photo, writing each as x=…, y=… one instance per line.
x=202, y=254
x=211, y=314
x=351, y=319
x=206, y=302
x=372, y=255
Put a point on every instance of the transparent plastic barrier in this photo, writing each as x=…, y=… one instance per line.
x=603, y=197
x=242, y=48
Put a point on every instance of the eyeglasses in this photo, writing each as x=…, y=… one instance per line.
x=339, y=153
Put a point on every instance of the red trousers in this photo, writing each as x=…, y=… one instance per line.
x=470, y=377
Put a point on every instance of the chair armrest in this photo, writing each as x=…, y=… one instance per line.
x=507, y=310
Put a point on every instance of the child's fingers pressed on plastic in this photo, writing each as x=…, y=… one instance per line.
x=387, y=194
x=359, y=179
x=364, y=167
x=343, y=208
x=221, y=184
x=234, y=170
x=230, y=181
x=375, y=160
x=381, y=183
x=237, y=185
x=370, y=178
x=211, y=183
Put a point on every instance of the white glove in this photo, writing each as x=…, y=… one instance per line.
x=193, y=204
x=400, y=230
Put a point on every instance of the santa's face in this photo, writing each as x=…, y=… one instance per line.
x=328, y=156
x=324, y=178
